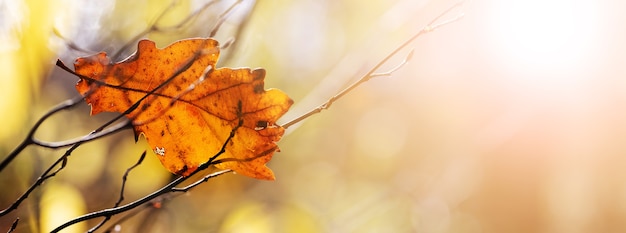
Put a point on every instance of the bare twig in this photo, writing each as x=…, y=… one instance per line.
x=108, y=128
x=30, y=137
x=222, y=18
x=204, y=179
x=119, y=201
x=152, y=27
x=90, y=137
x=104, y=129
x=70, y=44
x=431, y=26
x=126, y=124
x=14, y=225
x=121, y=209
x=49, y=173
x=392, y=70
x=107, y=213
x=126, y=217
x=178, y=26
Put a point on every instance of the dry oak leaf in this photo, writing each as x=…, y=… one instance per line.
x=190, y=117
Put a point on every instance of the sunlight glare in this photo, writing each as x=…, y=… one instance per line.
x=544, y=34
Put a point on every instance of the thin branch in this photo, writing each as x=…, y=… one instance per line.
x=165, y=189
x=68, y=42
x=189, y=18
x=106, y=219
x=171, y=187
x=44, y=176
x=117, y=210
x=14, y=225
x=29, y=139
x=145, y=32
x=225, y=58
x=98, y=82
x=63, y=159
x=147, y=223
x=204, y=179
x=119, y=201
x=431, y=26
x=100, y=224
x=125, y=124
x=222, y=18
x=99, y=132
x=394, y=69
x=230, y=41
x=127, y=216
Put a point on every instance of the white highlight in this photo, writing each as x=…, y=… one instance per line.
x=159, y=151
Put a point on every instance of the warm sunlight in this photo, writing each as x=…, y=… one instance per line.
x=546, y=35
x=511, y=119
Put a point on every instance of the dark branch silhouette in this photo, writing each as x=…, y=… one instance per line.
x=29, y=138
x=121, y=198
x=110, y=127
x=167, y=188
x=14, y=225
x=95, y=134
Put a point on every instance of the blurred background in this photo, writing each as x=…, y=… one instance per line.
x=510, y=120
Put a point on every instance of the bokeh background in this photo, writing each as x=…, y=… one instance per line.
x=510, y=120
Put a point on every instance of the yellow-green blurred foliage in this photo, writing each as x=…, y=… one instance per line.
x=61, y=202
x=493, y=126
x=25, y=58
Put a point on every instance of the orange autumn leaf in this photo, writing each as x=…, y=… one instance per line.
x=189, y=118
